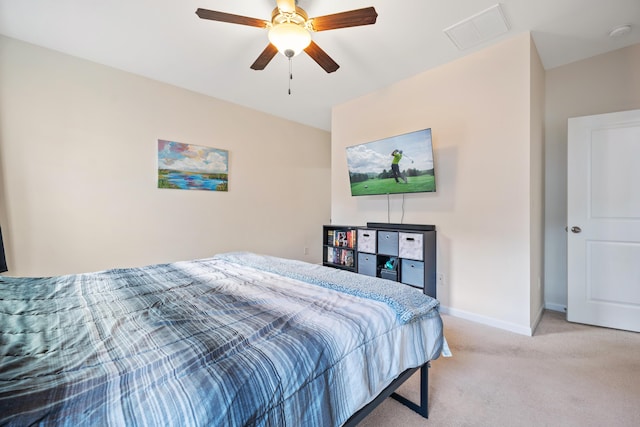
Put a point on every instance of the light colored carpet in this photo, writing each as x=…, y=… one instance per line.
x=566, y=375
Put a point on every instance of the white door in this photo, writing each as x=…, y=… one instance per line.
x=603, y=214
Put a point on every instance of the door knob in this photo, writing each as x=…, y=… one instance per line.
x=576, y=229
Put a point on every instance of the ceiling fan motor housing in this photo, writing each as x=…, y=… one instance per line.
x=298, y=17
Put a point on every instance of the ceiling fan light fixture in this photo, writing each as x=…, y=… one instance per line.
x=290, y=39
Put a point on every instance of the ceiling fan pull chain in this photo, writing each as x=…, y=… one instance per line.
x=290, y=75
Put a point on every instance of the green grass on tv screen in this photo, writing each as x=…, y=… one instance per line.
x=417, y=184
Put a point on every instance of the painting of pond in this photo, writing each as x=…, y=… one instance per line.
x=192, y=167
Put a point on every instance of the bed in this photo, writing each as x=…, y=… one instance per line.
x=238, y=339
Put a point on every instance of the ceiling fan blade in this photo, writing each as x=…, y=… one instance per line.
x=287, y=6
x=352, y=18
x=265, y=57
x=214, y=15
x=321, y=57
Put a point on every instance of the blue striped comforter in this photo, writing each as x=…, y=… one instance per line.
x=223, y=341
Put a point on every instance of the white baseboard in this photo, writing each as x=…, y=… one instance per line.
x=507, y=326
x=536, y=322
x=555, y=307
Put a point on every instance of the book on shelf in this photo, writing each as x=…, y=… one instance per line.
x=330, y=237
x=340, y=256
x=342, y=238
x=348, y=258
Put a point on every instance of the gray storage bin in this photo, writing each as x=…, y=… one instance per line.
x=367, y=264
x=367, y=241
x=412, y=272
x=410, y=246
x=388, y=243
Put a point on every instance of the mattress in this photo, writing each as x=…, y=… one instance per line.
x=238, y=339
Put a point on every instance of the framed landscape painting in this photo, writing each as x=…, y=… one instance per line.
x=192, y=167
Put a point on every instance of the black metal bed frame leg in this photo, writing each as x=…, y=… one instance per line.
x=423, y=407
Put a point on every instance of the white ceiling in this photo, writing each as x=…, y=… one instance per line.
x=165, y=40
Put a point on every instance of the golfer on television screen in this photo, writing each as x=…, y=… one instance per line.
x=395, y=168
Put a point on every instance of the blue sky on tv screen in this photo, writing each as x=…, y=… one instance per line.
x=374, y=157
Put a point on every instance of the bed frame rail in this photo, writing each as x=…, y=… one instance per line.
x=422, y=408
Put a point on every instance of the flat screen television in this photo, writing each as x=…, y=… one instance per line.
x=398, y=164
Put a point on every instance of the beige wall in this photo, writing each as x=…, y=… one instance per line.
x=536, y=202
x=78, y=168
x=603, y=84
x=480, y=111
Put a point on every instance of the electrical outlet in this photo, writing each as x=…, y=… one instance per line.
x=306, y=251
x=441, y=279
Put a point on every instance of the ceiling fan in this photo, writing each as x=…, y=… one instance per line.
x=290, y=30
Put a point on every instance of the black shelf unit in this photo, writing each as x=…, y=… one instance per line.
x=401, y=252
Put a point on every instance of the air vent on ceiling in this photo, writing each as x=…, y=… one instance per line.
x=478, y=28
